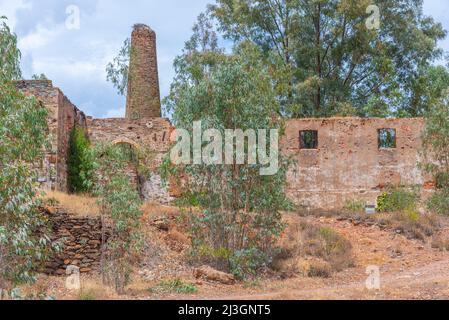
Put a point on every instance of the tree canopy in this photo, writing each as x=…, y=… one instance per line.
x=326, y=61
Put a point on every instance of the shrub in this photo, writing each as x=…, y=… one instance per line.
x=355, y=206
x=323, y=247
x=79, y=162
x=119, y=202
x=436, y=151
x=174, y=286
x=87, y=295
x=439, y=202
x=319, y=269
x=396, y=199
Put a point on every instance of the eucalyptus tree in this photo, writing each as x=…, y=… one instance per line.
x=24, y=240
x=436, y=152
x=332, y=57
x=238, y=216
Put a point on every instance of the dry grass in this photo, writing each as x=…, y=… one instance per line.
x=84, y=205
x=152, y=210
x=93, y=289
x=409, y=221
x=313, y=250
x=79, y=205
x=440, y=242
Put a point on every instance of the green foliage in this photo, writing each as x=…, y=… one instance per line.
x=325, y=61
x=87, y=295
x=9, y=53
x=436, y=153
x=355, y=206
x=174, y=286
x=79, y=162
x=240, y=217
x=117, y=71
x=120, y=203
x=427, y=87
x=397, y=200
x=39, y=77
x=24, y=236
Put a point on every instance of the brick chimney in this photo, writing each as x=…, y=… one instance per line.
x=143, y=99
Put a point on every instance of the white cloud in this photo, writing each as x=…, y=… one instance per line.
x=9, y=9
x=116, y=113
x=40, y=37
x=87, y=71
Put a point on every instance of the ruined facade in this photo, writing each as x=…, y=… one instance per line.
x=348, y=161
x=336, y=159
x=63, y=117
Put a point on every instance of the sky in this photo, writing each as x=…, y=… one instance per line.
x=75, y=56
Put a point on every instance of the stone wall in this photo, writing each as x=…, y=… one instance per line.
x=348, y=163
x=150, y=136
x=63, y=116
x=143, y=98
x=82, y=238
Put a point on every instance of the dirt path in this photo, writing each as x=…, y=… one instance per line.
x=409, y=269
x=432, y=277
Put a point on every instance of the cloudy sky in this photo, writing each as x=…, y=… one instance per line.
x=75, y=58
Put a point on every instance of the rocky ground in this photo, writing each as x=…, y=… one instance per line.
x=409, y=269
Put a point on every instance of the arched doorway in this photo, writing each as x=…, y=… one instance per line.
x=130, y=151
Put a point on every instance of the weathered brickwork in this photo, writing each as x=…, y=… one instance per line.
x=348, y=163
x=150, y=136
x=63, y=117
x=81, y=238
x=143, y=99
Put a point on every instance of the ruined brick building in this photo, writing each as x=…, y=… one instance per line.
x=337, y=159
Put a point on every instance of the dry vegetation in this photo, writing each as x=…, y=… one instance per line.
x=315, y=251
x=410, y=223
x=312, y=250
x=78, y=205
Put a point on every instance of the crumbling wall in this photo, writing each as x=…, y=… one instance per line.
x=63, y=116
x=348, y=163
x=81, y=238
x=151, y=136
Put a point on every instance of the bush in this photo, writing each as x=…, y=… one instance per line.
x=324, y=249
x=87, y=295
x=79, y=162
x=120, y=205
x=174, y=286
x=355, y=206
x=436, y=150
x=439, y=202
x=319, y=269
x=396, y=199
